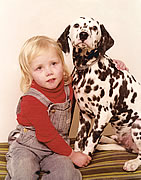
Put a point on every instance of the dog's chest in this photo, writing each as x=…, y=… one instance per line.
x=91, y=86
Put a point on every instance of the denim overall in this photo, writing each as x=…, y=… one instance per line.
x=27, y=156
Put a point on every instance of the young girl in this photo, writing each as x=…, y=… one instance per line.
x=40, y=141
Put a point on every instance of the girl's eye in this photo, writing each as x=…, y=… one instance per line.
x=38, y=68
x=54, y=63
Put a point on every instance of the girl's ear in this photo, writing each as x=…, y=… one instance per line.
x=63, y=40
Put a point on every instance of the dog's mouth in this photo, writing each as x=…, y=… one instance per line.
x=82, y=45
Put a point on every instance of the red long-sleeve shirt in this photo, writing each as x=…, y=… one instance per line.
x=34, y=113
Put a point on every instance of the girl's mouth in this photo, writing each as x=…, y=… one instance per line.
x=51, y=80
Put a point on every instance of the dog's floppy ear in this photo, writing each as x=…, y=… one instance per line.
x=63, y=40
x=106, y=41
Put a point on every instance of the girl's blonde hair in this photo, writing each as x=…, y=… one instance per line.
x=32, y=48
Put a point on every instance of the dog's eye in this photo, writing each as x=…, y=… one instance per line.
x=76, y=25
x=94, y=28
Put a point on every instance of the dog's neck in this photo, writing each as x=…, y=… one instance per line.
x=83, y=58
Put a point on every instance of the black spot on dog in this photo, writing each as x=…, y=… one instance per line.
x=96, y=71
x=96, y=135
x=90, y=70
x=98, y=116
x=83, y=17
x=94, y=98
x=104, y=74
x=100, y=65
x=116, y=99
x=123, y=91
x=96, y=88
x=83, y=83
x=133, y=78
x=111, y=92
x=87, y=89
x=130, y=80
x=99, y=108
x=116, y=85
x=83, y=130
x=111, y=106
x=90, y=81
x=89, y=99
x=133, y=97
x=102, y=93
x=98, y=99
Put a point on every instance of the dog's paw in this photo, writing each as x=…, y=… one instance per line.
x=132, y=165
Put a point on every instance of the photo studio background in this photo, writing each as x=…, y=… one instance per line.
x=22, y=19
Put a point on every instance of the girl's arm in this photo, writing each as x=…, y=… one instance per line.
x=34, y=113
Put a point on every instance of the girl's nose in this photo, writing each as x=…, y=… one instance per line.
x=48, y=72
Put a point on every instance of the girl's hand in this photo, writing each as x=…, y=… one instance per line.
x=120, y=65
x=80, y=159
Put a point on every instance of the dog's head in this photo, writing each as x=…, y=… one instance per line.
x=86, y=33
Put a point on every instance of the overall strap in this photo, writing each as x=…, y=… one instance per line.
x=37, y=94
x=67, y=91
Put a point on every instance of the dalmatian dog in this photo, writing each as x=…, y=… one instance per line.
x=104, y=94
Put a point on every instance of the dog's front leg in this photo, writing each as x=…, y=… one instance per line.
x=92, y=141
x=89, y=133
x=83, y=130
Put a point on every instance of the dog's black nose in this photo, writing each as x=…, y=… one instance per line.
x=83, y=36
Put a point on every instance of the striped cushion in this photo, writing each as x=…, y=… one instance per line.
x=108, y=165
x=3, y=151
x=104, y=166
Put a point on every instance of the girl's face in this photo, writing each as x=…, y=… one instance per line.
x=47, y=69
